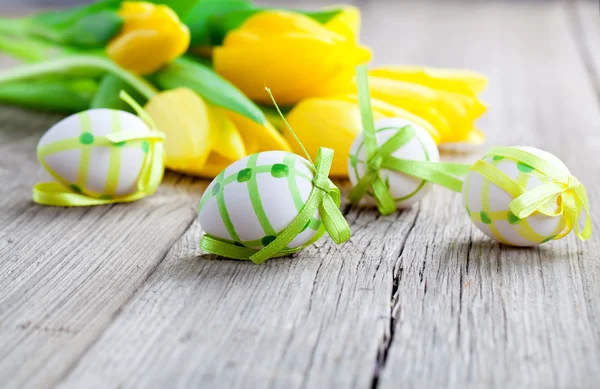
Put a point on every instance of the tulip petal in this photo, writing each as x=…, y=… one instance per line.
x=278, y=23
x=282, y=62
x=389, y=110
x=331, y=123
x=211, y=168
x=460, y=81
x=293, y=54
x=151, y=36
x=346, y=23
x=257, y=137
x=183, y=117
x=228, y=143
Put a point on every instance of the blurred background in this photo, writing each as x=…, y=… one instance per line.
x=13, y=3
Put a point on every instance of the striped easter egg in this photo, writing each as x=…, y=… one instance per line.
x=251, y=201
x=71, y=153
x=405, y=189
x=488, y=205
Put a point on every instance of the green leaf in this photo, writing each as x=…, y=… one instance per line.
x=181, y=7
x=27, y=49
x=203, y=80
x=93, y=30
x=199, y=19
x=323, y=16
x=73, y=96
x=73, y=65
x=107, y=95
x=64, y=18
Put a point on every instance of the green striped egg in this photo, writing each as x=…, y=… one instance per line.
x=405, y=189
x=488, y=205
x=84, y=167
x=251, y=201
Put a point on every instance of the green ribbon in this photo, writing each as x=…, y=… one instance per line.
x=151, y=174
x=325, y=197
x=572, y=194
x=377, y=158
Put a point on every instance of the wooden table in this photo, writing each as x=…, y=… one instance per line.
x=121, y=297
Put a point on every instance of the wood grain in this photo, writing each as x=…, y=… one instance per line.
x=469, y=313
x=65, y=273
x=419, y=299
x=585, y=19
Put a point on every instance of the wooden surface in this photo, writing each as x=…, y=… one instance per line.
x=121, y=297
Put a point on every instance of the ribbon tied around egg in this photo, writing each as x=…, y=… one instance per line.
x=324, y=197
x=63, y=193
x=380, y=157
x=572, y=197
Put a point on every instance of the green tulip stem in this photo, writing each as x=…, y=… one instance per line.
x=67, y=64
x=13, y=26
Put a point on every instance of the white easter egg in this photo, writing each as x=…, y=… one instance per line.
x=69, y=152
x=488, y=205
x=405, y=189
x=254, y=199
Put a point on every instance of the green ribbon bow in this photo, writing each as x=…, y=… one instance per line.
x=573, y=197
x=377, y=158
x=325, y=197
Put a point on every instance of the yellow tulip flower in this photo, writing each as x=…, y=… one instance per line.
x=152, y=36
x=346, y=23
x=445, y=98
x=295, y=56
x=202, y=139
x=465, y=82
x=335, y=122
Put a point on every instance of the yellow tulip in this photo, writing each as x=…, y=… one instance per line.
x=335, y=122
x=445, y=98
x=186, y=120
x=465, y=82
x=346, y=23
x=263, y=137
x=202, y=139
x=152, y=36
x=293, y=54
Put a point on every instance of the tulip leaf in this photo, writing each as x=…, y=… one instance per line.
x=199, y=19
x=181, y=7
x=75, y=65
x=107, y=95
x=64, y=18
x=203, y=80
x=93, y=30
x=62, y=96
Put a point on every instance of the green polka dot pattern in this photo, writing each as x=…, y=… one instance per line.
x=285, y=170
x=497, y=221
x=86, y=138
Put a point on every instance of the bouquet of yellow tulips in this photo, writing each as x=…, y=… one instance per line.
x=201, y=66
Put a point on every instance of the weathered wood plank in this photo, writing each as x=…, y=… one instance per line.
x=201, y=322
x=471, y=314
x=467, y=312
x=65, y=273
x=586, y=26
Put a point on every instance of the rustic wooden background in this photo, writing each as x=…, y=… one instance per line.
x=121, y=297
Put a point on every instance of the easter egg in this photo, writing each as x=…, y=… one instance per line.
x=404, y=189
x=250, y=202
x=488, y=205
x=73, y=153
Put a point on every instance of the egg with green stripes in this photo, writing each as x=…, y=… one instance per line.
x=73, y=154
x=405, y=189
x=254, y=199
x=488, y=205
